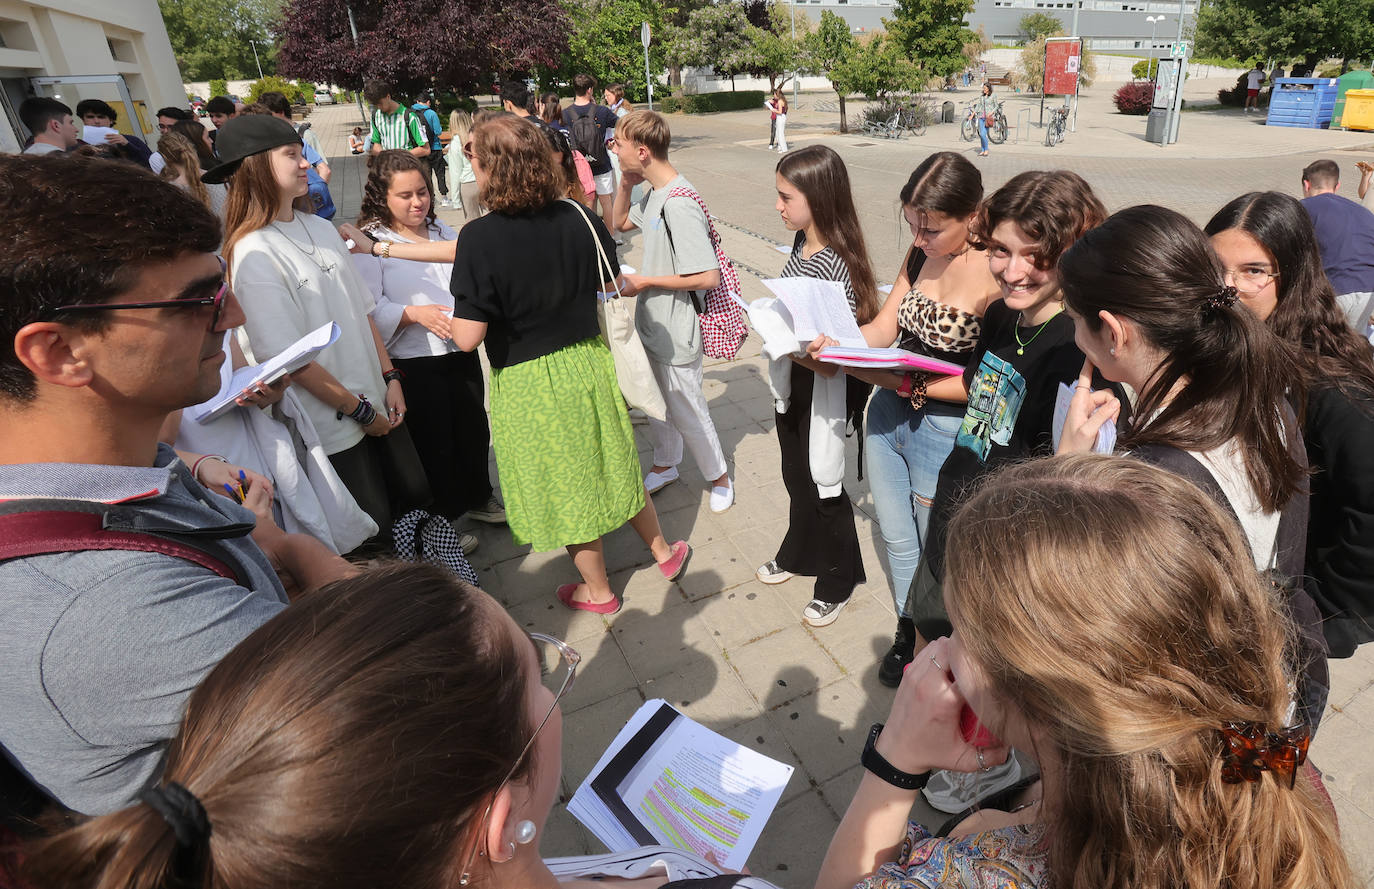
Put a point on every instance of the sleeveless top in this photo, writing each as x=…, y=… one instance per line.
x=928, y=327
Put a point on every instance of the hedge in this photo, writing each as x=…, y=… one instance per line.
x=705, y=103
x=1235, y=96
x=1135, y=97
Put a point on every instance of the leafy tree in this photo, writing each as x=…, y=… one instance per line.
x=211, y=38
x=604, y=42
x=1035, y=25
x=932, y=34
x=1031, y=71
x=876, y=68
x=450, y=44
x=715, y=36
x=218, y=87
x=772, y=51
x=1309, y=29
x=828, y=50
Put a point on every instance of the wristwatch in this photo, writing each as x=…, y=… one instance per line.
x=875, y=763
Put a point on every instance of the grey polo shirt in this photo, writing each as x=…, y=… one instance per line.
x=667, y=319
x=102, y=648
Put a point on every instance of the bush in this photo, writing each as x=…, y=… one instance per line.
x=705, y=103
x=295, y=94
x=218, y=88
x=1235, y=96
x=881, y=112
x=1135, y=97
x=1142, y=69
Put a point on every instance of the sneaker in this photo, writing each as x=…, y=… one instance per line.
x=619, y=242
x=769, y=572
x=901, y=653
x=822, y=614
x=491, y=512
x=467, y=543
x=638, y=416
x=953, y=792
x=722, y=497
x=655, y=481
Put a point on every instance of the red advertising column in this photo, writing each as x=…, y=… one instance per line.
x=1062, y=57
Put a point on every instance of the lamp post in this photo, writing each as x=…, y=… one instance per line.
x=1154, y=20
x=254, y=44
x=796, y=75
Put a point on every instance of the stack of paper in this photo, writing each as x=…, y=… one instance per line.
x=289, y=360
x=668, y=780
x=1105, y=443
x=893, y=358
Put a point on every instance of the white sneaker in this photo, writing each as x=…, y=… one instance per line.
x=467, y=542
x=953, y=792
x=770, y=573
x=822, y=614
x=722, y=497
x=655, y=481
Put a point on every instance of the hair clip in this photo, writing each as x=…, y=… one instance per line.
x=1249, y=750
x=1222, y=299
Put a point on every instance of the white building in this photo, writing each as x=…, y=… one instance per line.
x=116, y=50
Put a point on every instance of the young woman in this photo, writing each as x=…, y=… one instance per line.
x=443, y=386
x=1267, y=247
x=183, y=168
x=983, y=106
x=563, y=156
x=941, y=294
x=1152, y=309
x=614, y=98
x=462, y=182
x=778, y=107
x=815, y=201
x=551, y=111
x=569, y=468
x=292, y=275
x=1121, y=633
x=356, y=141
x=197, y=135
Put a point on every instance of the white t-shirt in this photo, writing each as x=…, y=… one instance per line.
x=156, y=162
x=1254, y=79
x=1261, y=528
x=397, y=283
x=292, y=277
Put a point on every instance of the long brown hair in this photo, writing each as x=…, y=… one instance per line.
x=1123, y=619
x=822, y=178
x=1155, y=267
x=381, y=170
x=182, y=162
x=354, y=740
x=254, y=199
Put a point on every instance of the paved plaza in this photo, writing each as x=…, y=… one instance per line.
x=733, y=653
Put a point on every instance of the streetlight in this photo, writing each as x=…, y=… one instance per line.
x=1153, y=20
x=255, y=56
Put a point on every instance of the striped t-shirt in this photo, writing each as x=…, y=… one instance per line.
x=824, y=265
x=389, y=130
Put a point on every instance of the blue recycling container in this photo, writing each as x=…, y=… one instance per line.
x=1305, y=102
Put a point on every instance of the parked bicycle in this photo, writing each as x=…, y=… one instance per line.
x=997, y=130
x=1054, y=131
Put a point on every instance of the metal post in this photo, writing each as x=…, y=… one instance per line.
x=796, y=75
x=254, y=44
x=1172, y=120
x=1154, y=23
x=353, y=27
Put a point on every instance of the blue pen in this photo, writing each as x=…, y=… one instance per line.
x=232, y=493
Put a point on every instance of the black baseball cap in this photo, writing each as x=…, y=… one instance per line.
x=247, y=135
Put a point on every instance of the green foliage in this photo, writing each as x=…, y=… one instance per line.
x=877, y=68
x=1312, y=30
x=1142, y=69
x=828, y=51
x=218, y=87
x=211, y=38
x=773, y=52
x=604, y=42
x=933, y=34
x=1035, y=25
x=296, y=94
x=715, y=36
x=705, y=103
x=1030, y=73
x=1235, y=96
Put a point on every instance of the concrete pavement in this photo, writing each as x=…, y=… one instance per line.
x=733, y=653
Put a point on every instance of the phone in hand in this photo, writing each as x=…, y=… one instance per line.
x=973, y=730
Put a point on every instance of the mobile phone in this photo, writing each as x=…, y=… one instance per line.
x=975, y=732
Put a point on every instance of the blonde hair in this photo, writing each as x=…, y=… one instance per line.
x=648, y=128
x=1115, y=606
x=460, y=125
x=183, y=162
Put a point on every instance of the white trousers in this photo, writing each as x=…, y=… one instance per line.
x=688, y=419
x=780, y=134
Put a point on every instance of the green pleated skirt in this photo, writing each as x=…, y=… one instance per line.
x=564, y=447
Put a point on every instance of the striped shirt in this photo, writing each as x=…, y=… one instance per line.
x=824, y=265
x=390, y=130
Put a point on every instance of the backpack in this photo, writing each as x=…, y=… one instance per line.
x=406, y=115
x=584, y=173
x=719, y=311
x=588, y=134
x=425, y=125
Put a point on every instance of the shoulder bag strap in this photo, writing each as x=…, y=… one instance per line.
x=604, y=264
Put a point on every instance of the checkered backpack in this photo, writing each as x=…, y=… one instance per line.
x=722, y=320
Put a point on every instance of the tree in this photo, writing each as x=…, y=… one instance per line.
x=1308, y=29
x=1031, y=68
x=771, y=51
x=452, y=44
x=828, y=50
x=604, y=42
x=932, y=34
x=715, y=36
x=214, y=39
x=877, y=68
x=1035, y=25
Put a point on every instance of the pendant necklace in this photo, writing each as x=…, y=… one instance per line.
x=314, y=248
x=1016, y=331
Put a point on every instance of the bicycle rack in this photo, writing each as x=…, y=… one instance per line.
x=1020, y=128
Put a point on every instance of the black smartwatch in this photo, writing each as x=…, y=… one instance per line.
x=874, y=762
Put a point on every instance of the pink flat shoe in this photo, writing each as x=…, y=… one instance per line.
x=565, y=595
x=677, y=561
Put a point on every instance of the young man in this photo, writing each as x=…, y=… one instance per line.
x=679, y=258
x=221, y=109
x=319, y=172
x=394, y=126
x=438, y=164
x=51, y=124
x=166, y=117
x=590, y=126
x=1253, y=79
x=99, y=113
x=515, y=98
x=1345, y=235
x=104, y=645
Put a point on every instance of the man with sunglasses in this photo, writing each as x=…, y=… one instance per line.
x=103, y=332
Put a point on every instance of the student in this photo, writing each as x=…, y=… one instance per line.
x=294, y=275
x=182, y=167
x=463, y=182
x=356, y=141
x=779, y=131
x=442, y=384
x=99, y=113
x=1266, y=245
x=319, y=173
x=590, y=137
x=1253, y=80
x=50, y=122
x=166, y=117
x=435, y=161
x=815, y=201
x=221, y=110
x=1345, y=235
x=394, y=126
x=679, y=259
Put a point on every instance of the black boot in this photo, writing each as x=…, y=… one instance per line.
x=899, y=655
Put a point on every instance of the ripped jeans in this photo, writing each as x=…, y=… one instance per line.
x=904, y=450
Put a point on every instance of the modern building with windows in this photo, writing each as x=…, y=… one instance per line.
x=116, y=50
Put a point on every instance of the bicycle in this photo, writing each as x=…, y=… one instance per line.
x=1054, y=131
x=997, y=130
x=915, y=116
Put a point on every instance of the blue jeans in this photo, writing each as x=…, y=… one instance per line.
x=904, y=450
x=982, y=130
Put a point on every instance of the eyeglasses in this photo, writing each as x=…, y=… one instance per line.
x=557, y=670
x=217, y=301
x=1251, y=279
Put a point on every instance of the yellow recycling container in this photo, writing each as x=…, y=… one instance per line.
x=1359, y=110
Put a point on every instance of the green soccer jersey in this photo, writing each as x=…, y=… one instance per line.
x=399, y=129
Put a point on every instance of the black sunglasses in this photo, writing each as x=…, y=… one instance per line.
x=217, y=301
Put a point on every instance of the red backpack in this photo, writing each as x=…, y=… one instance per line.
x=723, y=328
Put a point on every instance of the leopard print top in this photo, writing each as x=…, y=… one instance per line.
x=935, y=329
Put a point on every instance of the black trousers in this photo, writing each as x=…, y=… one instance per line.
x=821, y=540
x=383, y=473
x=438, y=168
x=449, y=425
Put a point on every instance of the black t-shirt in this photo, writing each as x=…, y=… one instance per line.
x=1010, y=408
x=533, y=278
